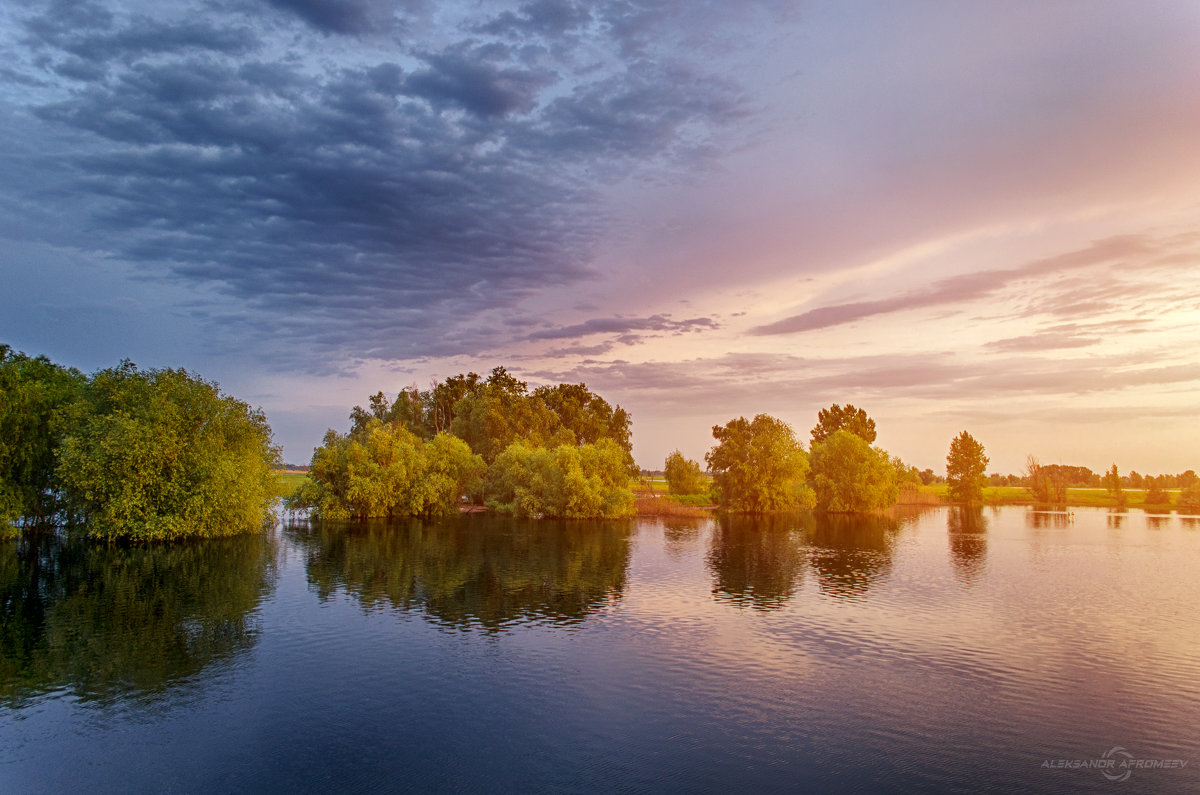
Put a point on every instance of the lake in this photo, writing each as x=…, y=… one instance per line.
x=943, y=650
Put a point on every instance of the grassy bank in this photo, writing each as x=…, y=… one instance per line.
x=648, y=505
x=937, y=494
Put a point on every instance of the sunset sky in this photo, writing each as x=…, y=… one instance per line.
x=954, y=215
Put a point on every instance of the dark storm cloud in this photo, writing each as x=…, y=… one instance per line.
x=466, y=79
x=381, y=205
x=338, y=16
x=638, y=113
x=957, y=289
x=89, y=32
x=542, y=17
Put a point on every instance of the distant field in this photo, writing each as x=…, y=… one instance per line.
x=653, y=484
x=291, y=481
x=999, y=495
x=650, y=485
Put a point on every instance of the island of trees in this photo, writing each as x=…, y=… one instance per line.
x=141, y=455
x=557, y=451
x=149, y=455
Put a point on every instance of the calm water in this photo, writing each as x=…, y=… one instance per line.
x=941, y=651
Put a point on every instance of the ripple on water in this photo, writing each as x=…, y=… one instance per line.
x=926, y=654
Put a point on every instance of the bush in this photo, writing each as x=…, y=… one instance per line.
x=162, y=454
x=386, y=471
x=588, y=481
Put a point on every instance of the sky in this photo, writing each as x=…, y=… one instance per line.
x=958, y=216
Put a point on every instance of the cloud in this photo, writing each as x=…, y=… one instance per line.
x=468, y=80
x=390, y=204
x=1043, y=341
x=550, y=18
x=959, y=289
x=90, y=33
x=748, y=383
x=345, y=17
x=624, y=325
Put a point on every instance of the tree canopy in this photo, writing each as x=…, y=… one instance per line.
x=589, y=481
x=847, y=418
x=500, y=412
x=132, y=454
x=34, y=394
x=546, y=452
x=491, y=413
x=1046, y=484
x=1112, y=483
x=386, y=471
x=162, y=454
x=966, y=467
x=1156, y=496
x=684, y=475
x=758, y=466
x=850, y=476
x=1189, y=498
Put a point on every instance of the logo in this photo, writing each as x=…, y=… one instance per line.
x=1116, y=764
x=1111, y=755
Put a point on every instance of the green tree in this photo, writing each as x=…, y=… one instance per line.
x=444, y=396
x=850, y=476
x=386, y=471
x=1112, y=482
x=34, y=394
x=501, y=412
x=588, y=417
x=965, y=468
x=588, y=481
x=1046, y=484
x=1155, y=495
x=684, y=475
x=848, y=418
x=162, y=454
x=1189, y=497
x=758, y=466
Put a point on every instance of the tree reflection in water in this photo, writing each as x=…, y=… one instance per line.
x=681, y=534
x=1039, y=520
x=108, y=622
x=471, y=571
x=758, y=561
x=966, y=527
x=850, y=553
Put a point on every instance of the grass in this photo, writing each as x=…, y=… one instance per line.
x=648, y=505
x=291, y=481
x=1017, y=495
x=650, y=485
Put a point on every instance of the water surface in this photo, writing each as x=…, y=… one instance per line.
x=941, y=651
